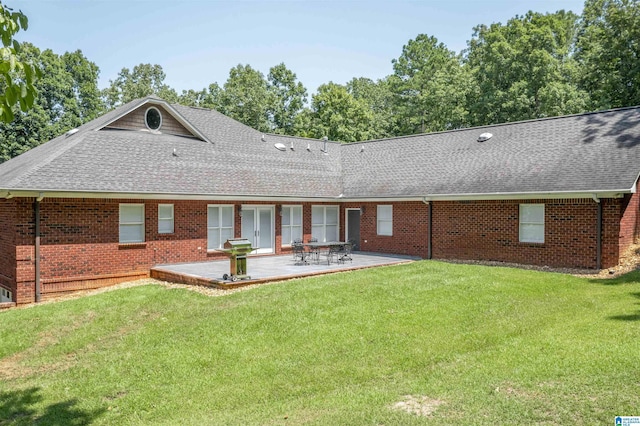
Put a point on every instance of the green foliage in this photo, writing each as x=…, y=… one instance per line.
x=143, y=81
x=493, y=345
x=336, y=114
x=17, y=76
x=608, y=50
x=379, y=99
x=288, y=98
x=430, y=87
x=524, y=69
x=68, y=96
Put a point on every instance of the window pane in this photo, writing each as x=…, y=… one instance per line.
x=317, y=215
x=131, y=233
x=384, y=228
x=286, y=216
x=131, y=213
x=165, y=211
x=227, y=215
x=385, y=212
x=297, y=216
x=531, y=233
x=296, y=233
x=532, y=213
x=332, y=233
x=213, y=240
x=225, y=234
x=332, y=215
x=317, y=231
x=165, y=226
x=213, y=219
x=286, y=236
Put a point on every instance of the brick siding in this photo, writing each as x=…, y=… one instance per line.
x=80, y=246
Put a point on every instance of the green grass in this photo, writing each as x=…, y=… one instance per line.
x=493, y=345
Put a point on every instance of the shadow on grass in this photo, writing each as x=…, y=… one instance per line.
x=17, y=408
x=632, y=277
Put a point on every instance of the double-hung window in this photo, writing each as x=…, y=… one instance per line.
x=219, y=225
x=324, y=223
x=165, y=218
x=532, y=223
x=131, y=223
x=291, y=224
x=385, y=220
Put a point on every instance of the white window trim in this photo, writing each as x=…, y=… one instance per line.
x=166, y=219
x=322, y=238
x=291, y=207
x=540, y=224
x=5, y=295
x=379, y=220
x=220, y=228
x=121, y=223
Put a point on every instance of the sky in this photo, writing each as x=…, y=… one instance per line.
x=198, y=42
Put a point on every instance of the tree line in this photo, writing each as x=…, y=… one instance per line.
x=533, y=66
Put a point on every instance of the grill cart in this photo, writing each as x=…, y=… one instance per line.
x=237, y=249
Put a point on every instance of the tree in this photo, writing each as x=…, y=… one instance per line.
x=246, y=98
x=430, y=87
x=377, y=97
x=608, y=50
x=67, y=96
x=144, y=80
x=210, y=97
x=525, y=69
x=336, y=114
x=19, y=75
x=287, y=96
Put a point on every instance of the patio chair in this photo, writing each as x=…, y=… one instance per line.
x=297, y=241
x=344, y=252
x=299, y=254
x=314, y=252
x=332, y=254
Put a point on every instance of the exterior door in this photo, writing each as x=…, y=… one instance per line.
x=353, y=227
x=257, y=227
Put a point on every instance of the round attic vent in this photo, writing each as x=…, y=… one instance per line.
x=484, y=137
x=153, y=118
x=280, y=146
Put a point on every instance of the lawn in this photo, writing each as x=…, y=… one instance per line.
x=460, y=344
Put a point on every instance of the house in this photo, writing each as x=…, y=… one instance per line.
x=154, y=183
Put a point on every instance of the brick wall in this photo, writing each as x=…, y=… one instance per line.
x=136, y=121
x=629, y=221
x=80, y=246
x=7, y=245
x=489, y=230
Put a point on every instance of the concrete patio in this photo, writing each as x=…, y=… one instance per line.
x=267, y=269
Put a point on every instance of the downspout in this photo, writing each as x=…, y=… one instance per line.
x=598, y=233
x=430, y=222
x=36, y=212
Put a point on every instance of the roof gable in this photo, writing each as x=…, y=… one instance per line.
x=173, y=122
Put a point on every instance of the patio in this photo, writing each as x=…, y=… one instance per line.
x=264, y=269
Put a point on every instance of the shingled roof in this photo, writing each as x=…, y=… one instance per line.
x=596, y=153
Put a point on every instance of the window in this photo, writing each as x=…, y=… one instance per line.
x=165, y=218
x=385, y=220
x=152, y=118
x=131, y=223
x=291, y=224
x=219, y=226
x=5, y=295
x=532, y=223
x=324, y=223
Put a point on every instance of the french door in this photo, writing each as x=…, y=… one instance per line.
x=258, y=227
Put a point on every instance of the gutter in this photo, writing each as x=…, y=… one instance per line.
x=430, y=224
x=598, y=233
